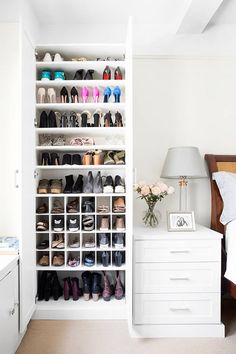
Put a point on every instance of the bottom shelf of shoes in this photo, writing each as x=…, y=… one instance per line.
x=82, y=295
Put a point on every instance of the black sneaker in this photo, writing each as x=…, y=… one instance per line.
x=73, y=224
x=89, y=259
x=58, y=224
x=108, y=186
x=76, y=159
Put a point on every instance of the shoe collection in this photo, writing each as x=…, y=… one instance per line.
x=58, y=58
x=49, y=286
x=75, y=120
x=49, y=95
x=90, y=185
x=80, y=227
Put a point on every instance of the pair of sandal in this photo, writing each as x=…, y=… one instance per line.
x=42, y=209
x=58, y=207
x=73, y=262
x=73, y=206
x=88, y=223
x=47, y=140
x=58, y=260
x=119, y=205
x=103, y=209
x=85, y=141
x=58, y=241
x=42, y=225
x=114, y=158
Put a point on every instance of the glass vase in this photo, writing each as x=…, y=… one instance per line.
x=151, y=216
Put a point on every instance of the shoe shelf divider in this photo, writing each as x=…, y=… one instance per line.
x=82, y=309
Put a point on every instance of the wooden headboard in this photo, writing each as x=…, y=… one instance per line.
x=218, y=163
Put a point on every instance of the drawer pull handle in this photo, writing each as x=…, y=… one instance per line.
x=179, y=309
x=179, y=278
x=179, y=251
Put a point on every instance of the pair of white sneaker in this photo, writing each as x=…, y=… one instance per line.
x=48, y=57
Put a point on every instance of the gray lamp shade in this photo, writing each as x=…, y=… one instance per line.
x=183, y=161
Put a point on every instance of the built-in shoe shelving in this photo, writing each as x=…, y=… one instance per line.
x=106, y=139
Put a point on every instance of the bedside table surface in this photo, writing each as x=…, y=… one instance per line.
x=161, y=232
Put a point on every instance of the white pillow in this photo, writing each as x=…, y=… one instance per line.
x=226, y=182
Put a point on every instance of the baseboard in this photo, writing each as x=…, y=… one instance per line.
x=81, y=310
x=178, y=331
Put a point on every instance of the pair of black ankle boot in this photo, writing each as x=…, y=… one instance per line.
x=73, y=187
x=48, y=121
x=49, y=285
x=50, y=159
x=91, y=285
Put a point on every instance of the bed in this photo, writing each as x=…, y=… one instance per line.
x=218, y=163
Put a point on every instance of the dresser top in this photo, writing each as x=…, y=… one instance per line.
x=161, y=233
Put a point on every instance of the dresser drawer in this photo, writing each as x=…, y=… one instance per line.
x=178, y=251
x=176, y=277
x=176, y=308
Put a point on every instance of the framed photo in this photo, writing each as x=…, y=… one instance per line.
x=181, y=221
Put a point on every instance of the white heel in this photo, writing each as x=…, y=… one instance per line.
x=41, y=95
x=52, y=95
x=47, y=57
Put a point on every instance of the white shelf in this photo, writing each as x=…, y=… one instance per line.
x=80, y=148
x=81, y=195
x=76, y=65
x=82, y=106
x=81, y=130
x=81, y=167
x=81, y=309
x=81, y=268
x=80, y=83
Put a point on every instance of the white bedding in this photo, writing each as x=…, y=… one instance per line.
x=230, y=246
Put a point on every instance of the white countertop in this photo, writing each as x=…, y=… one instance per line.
x=161, y=233
x=7, y=263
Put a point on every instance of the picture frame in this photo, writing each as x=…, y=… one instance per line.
x=181, y=221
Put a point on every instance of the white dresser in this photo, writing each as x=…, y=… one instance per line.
x=177, y=283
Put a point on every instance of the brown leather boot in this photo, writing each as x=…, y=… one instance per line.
x=108, y=289
x=119, y=290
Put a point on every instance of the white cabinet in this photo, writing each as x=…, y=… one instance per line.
x=177, y=283
x=9, y=315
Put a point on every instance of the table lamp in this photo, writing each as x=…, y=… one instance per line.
x=183, y=163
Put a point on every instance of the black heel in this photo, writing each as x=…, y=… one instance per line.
x=43, y=121
x=96, y=118
x=74, y=95
x=52, y=120
x=118, y=120
x=64, y=95
x=84, y=117
x=55, y=159
x=89, y=75
x=45, y=159
x=107, y=120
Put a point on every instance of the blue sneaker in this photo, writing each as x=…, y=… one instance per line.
x=59, y=75
x=107, y=94
x=46, y=75
x=117, y=93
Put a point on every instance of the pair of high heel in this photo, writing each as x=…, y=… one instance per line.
x=82, y=75
x=108, y=122
x=46, y=96
x=107, y=73
x=74, y=95
x=50, y=159
x=49, y=58
x=116, y=92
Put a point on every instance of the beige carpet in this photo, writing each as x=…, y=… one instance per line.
x=111, y=337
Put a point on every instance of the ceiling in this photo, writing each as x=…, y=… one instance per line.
x=163, y=13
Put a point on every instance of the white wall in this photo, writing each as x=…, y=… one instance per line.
x=182, y=102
